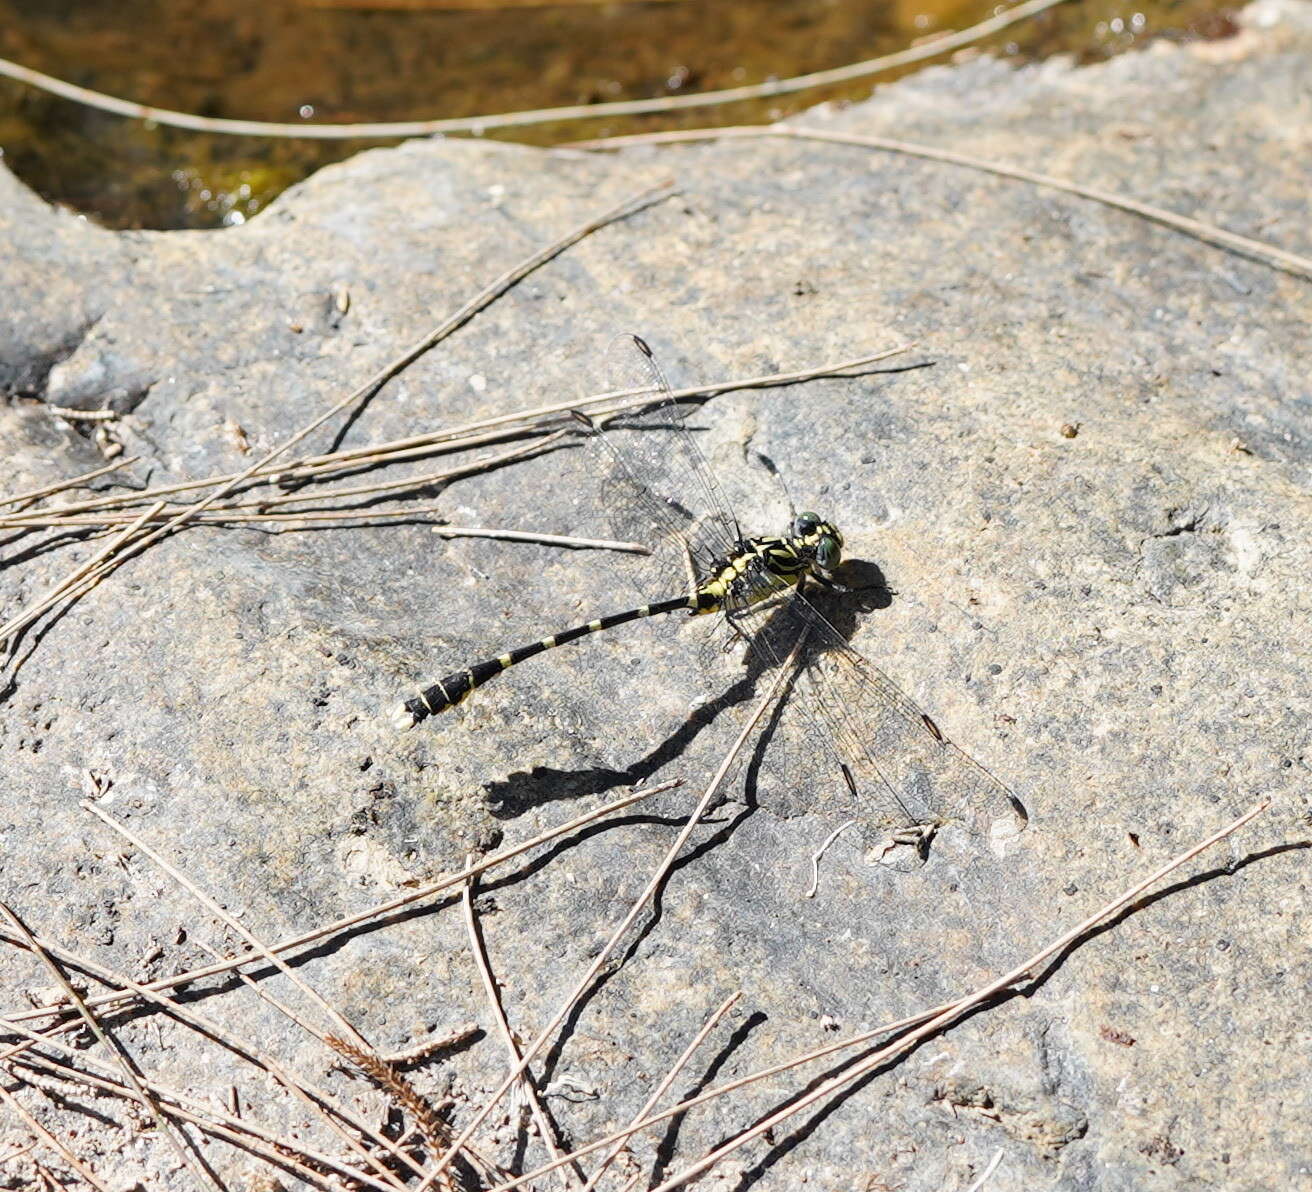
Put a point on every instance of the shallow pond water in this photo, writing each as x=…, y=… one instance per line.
x=372, y=60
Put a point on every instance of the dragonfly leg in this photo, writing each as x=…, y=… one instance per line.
x=736, y=633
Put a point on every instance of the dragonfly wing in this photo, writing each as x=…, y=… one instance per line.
x=861, y=736
x=658, y=486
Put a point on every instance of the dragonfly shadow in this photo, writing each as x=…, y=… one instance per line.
x=861, y=589
x=510, y=797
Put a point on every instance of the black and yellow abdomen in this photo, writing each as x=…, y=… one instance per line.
x=458, y=686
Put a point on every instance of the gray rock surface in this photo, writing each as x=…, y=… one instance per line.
x=1115, y=623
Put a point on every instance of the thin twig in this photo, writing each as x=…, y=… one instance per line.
x=636, y=548
x=346, y=923
x=232, y=922
x=62, y=516
x=62, y=485
x=466, y=433
x=56, y=1144
x=178, y=1141
x=653, y=884
x=934, y=48
x=873, y=1062
x=940, y=1014
x=454, y=438
x=1267, y=254
x=318, y=467
x=427, y=481
x=546, y=1130
x=80, y=579
x=221, y=517
x=659, y=1091
x=19, y=1151
x=421, y=1051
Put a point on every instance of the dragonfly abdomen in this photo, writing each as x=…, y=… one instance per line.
x=458, y=686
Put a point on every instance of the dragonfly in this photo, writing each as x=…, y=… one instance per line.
x=904, y=774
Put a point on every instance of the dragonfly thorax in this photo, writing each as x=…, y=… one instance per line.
x=764, y=567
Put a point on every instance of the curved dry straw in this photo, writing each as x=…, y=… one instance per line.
x=478, y=125
x=1258, y=250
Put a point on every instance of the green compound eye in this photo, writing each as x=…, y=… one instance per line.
x=828, y=552
x=805, y=523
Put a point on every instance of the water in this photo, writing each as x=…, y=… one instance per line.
x=369, y=60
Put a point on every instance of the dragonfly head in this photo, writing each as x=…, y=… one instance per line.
x=820, y=536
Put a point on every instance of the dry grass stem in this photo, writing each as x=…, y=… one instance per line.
x=391, y=486
x=219, y=912
x=434, y=1130
x=660, y=1090
x=311, y=468
x=921, y=1023
x=653, y=884
x=546, y=1129
x=907, y=1042
x=476, y=432
x=479, y=125
x=328, y=930
x=489, y=294
x=19, y=1151
x=63, y=485
x=618, y=400
x=369, y=515
x=1267, y=254
x=315, y=468
x=452, y=439
x=178, y=1141
x=429, y=1047
x=80, y=579
x=566, y=540
x=56, y=1144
